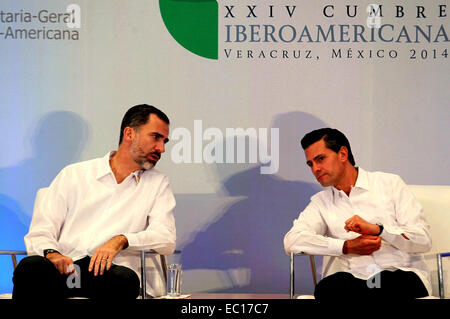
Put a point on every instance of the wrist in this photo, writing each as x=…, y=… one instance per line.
x=345, y=248
x=373, y=230
x=51, y=255
x=379, y=229
x=123, y=241
x=50, y=252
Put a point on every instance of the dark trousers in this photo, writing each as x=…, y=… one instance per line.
x=387, y=285
x=37, y=278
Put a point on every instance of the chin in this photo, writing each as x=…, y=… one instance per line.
x=148, y=165
x=324, y=183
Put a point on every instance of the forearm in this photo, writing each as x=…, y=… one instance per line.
x=162, y=241
x=410, y=232
x=48, y=217
x=314, y=244
x=408, y=239
x=309, y=235
x=36, y=242
x=160, y=235
x=412, y=238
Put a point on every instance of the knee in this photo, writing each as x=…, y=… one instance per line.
x=33, y=279
x=323, y=290
x=30, y=265
x=132, y=284
x=334, y=287
x=127, y=284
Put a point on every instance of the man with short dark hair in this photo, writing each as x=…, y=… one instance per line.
x=368, y=222
x=95, y=217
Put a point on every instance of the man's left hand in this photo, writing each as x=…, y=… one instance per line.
x=360, y=226
x=104, y=255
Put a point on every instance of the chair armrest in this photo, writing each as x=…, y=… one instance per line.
x=299, y=254
x=13, y=254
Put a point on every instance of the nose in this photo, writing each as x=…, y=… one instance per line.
x=315, y=168
x=161, y=147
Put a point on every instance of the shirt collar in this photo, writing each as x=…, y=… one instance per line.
x=105, y=167
x=362, y=180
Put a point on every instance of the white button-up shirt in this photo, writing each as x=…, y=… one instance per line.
x=84, y=207
x=378, y=198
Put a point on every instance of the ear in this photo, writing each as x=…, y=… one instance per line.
x=129, y=134
x=343, y=154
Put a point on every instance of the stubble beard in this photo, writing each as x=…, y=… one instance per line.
x=145, y=164
x=140, y=159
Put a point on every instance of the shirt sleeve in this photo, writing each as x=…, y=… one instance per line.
x=411, y=232
x=308, y=235
x=48, y=217
x=160, y=235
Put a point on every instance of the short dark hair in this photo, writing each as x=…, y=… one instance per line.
x=333, y=138
x=139, y=115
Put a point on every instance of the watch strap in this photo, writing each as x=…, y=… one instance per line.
x=381, y=229
x=48, y=251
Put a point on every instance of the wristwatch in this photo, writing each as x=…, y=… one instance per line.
x=48, y=251
x=381, y=229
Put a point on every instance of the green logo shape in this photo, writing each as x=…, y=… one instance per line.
x=194, y=24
